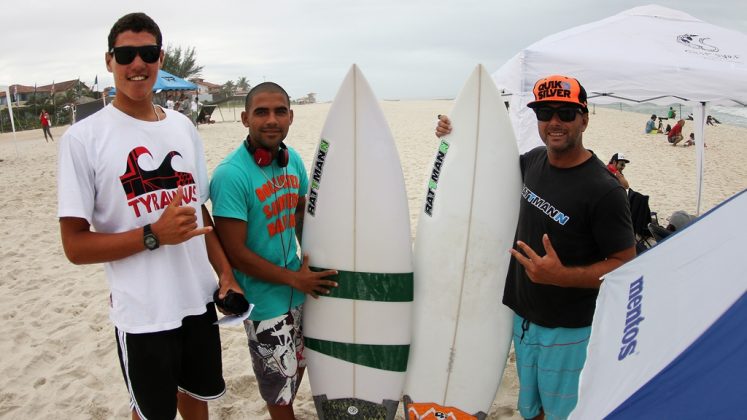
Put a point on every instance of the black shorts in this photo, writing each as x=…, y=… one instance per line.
x=157, y=365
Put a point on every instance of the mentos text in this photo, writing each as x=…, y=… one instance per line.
x=632, y=319
x=430, y=196
x=553, y=89
x=316, y=175
x=544, y=206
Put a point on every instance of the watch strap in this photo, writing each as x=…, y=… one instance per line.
x=150, y=240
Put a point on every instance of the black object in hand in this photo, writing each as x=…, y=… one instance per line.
x=233, y=303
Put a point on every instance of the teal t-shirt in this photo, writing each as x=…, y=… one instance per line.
x=266, y=199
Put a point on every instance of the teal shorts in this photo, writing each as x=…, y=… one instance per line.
x=549, y=362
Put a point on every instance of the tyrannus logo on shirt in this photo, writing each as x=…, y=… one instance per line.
x=150, y=190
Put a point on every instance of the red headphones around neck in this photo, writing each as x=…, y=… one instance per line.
x=263, y=157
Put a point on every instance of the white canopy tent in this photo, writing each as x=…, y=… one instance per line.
x=646, y=54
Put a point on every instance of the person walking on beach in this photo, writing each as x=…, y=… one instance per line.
x=123, y=202
x=561, y=253
x=258, y=195
x=45, y=123
x=195, y=108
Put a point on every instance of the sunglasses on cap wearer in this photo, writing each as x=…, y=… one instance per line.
x=126, y=55
x=565, y=113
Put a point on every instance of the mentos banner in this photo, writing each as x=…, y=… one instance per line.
x=669, y=338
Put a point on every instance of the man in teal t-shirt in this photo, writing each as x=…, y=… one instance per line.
x=259, y=194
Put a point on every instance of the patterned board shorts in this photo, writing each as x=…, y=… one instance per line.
x=276, y=347
x=549, y=363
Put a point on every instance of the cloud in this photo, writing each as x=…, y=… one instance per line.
x=407, y=49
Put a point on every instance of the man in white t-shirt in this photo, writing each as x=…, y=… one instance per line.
x=132, y=187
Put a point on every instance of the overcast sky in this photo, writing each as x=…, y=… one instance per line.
x=407, y=49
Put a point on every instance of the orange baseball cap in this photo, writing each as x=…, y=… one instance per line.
x=559, y=88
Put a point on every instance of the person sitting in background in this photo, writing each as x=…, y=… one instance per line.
x=711, y=120
x=675, y=134
x=671, y=113
x=691, y=141
x=651, y=125
x=679, y=219
x=616, y=166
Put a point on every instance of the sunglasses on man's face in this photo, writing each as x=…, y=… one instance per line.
x=126, y=55
x=566, y=113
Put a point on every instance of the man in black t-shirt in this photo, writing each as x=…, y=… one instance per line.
x=574, y=227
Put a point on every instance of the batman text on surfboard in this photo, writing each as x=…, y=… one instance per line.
x=316, y=175
x=433, y=181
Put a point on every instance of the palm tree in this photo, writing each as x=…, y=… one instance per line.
x=243, y=84
x=228, y=89
x=181, y=62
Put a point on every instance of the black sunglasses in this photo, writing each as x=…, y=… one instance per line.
x=126, y=55
x=566, y=114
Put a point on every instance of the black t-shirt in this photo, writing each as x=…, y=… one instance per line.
x=586, y=215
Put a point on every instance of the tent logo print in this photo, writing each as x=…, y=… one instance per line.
x=633, y=319
x=689, y=40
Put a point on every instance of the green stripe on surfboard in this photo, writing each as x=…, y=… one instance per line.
x=384, y=357
x=378, y=287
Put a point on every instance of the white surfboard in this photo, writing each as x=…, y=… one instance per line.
x=357, y=222
x=461, y=330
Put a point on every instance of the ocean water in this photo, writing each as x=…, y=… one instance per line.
x=733, y=115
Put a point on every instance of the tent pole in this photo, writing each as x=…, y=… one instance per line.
x=12, y=123
x=699, y=117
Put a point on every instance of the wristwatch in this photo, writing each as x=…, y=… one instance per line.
x=150, y=240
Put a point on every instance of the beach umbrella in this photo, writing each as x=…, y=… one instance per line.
x=668, y=337
x=167, y=81
x=648, y=54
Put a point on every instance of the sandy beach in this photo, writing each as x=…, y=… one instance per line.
x=58, y=350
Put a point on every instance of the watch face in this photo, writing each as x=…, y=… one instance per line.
x=150, y=242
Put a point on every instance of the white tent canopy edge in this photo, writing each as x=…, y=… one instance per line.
x=648, y=54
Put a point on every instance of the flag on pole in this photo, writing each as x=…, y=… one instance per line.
x=15, y=93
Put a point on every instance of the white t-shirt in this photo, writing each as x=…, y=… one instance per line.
x=119, y=173
x=170, y=103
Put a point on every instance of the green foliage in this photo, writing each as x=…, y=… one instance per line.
x=228, y=89
x=243, y=84
x=181, y=62
x=26, y=116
